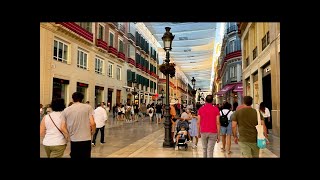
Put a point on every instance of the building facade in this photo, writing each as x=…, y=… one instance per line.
x=99, y=59
x=260, y=44
x=229, y=75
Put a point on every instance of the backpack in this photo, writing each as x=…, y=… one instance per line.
x=224, y=119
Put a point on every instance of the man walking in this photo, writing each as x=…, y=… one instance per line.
x=78, y=123
x=100, y=117
x=245, y=119
x=208, y=126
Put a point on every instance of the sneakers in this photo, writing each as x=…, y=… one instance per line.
x=93, y=144
x=103, y=142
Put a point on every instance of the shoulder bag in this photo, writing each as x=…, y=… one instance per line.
x=261, y=140
x=57, y=127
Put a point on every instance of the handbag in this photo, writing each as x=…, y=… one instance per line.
x=57, y=127
x=261, y=139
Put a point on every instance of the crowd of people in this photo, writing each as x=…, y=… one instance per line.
x=80, y=124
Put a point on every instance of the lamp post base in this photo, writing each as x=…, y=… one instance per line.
x=168, y=144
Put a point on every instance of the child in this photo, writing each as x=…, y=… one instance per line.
x=181, y=134
x=193, y=131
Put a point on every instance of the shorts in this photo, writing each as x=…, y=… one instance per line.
x=158, y=115
x=226, y=130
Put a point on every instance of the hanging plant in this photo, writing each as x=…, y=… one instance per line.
x=171, y=70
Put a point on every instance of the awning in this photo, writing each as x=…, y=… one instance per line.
x=238, y=88
x=225, y=89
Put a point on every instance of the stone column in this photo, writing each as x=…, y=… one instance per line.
x=275, y=78
x=251, y=86
x=260, y=71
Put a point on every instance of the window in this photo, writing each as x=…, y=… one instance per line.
x=231, y=45
x=82, y=59
x=60, y=51
x=110, y=70
x=226, y=76
x=265, y=41
x=111, y=39
x=120, y=46
x=99, y=64
x=132, y=28
x=231, y=72
x=101, y=32
x=86, y=25
x=131, y=52
x=254, y=53
x=247, y=62
x=118, y=73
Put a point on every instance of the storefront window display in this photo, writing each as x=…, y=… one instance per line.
x=83, y=88
x=59, y=88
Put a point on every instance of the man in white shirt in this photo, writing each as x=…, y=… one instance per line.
x=100, y=117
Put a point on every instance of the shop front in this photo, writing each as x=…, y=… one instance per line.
x=110, y=91
x=224, y=94
x=83, y=88
x=238, y=93
x=60, y=89
x=98, y=94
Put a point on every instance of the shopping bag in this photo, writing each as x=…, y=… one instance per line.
x=261, y=139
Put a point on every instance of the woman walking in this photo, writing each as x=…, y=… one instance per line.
x=54, y=141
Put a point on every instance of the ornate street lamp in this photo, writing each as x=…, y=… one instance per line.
x=199, y=94
x=193, y=81
x=167, y=39
x=134, y=83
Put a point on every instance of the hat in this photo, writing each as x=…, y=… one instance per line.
x=172, y=102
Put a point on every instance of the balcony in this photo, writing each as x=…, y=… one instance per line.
x=122, y=56
x=138, y=65
x=78, y=30
x=131, y=61
x=102, y=44
x=122, y=29
x=131, y=38
x=113, y=51
x=113, y=24
x=232, y=55
x=231, y=29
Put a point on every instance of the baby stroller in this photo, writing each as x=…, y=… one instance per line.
x=182, y=142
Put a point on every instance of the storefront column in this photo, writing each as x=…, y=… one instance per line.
x=148, y=98
x=251, y=87
x=260, y=73
x=275, y=77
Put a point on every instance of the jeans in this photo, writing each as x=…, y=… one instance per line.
x=208, y=142
x=96, y=133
